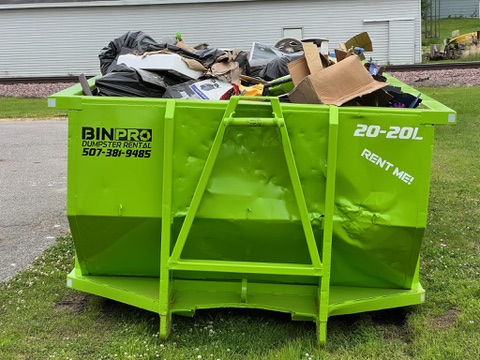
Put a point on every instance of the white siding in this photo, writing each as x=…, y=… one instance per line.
x=402, y=35
x=62, y=41
x=378, y=31
x=456, y=8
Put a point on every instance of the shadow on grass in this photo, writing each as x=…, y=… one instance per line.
x=271, y=329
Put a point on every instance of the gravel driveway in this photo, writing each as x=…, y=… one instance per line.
x=33, y=173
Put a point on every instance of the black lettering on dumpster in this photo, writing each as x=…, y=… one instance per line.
x=116, y=134
x=133, y=134
x=109, y=137
x=88, y=133
x=106, y=134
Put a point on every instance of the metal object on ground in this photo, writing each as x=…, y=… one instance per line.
x=313, y=210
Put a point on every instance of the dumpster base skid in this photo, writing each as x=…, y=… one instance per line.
x=189, y=295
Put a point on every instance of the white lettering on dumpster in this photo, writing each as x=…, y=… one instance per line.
x=393, y=132
x=387, y=166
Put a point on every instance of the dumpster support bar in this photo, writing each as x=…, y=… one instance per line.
x=316, y=268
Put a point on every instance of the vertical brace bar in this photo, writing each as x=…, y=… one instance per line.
x=167, y=190
x=299, y=196
x=324, y=295
x=279, y=120
x=199, y=191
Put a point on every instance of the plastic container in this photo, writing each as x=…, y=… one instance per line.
x=313, y=210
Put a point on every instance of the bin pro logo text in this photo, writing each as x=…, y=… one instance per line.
x=116, y=134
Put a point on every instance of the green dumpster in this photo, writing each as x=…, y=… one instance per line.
x=312, y=210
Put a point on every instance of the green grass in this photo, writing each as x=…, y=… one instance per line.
x=446, y=26
x=12, y=107
x=40, y=318
x=464, y=25
x=474, y=56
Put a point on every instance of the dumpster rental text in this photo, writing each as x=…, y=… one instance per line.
x=387, y=166
x=116, y=142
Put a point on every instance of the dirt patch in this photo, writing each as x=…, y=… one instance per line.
x=73, y=303
x=446, y=320
x=392, y=323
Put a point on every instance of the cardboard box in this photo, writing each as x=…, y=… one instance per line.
x=208, y=89
x=341, y=54
x=361, y=40
x=311, y=62
x=334, y=85
x=171, y=64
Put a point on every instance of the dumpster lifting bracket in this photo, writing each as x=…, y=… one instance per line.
x=172, y=261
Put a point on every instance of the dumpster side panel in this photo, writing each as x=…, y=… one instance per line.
x=115, y=188
x=384, y=164
x=248, y=211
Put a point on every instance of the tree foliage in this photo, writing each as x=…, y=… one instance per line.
x=426, y=6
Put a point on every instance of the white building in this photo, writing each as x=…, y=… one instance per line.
x=64, y=37
x=458, y=8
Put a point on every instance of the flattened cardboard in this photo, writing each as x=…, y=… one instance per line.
x=310, y=51
x=194, y=64
x=181, y=44
x=298, y=70
x=227, y=71
x=341, y=54
x=336, y=84
x=361, y=40
x=252, y=80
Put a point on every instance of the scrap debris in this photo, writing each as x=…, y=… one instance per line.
x=455, y=47
x=296, y=71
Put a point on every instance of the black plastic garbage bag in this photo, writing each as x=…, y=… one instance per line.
x=405, y=100
x=401, y=99
x=278, y=67
x=139, y=42
x=206, y=57
x=128, y=42
x=125, y=81
x=243, y=64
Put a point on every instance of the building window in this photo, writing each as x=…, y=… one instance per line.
x=292, y=32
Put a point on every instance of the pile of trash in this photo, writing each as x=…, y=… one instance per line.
x=136, y=65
